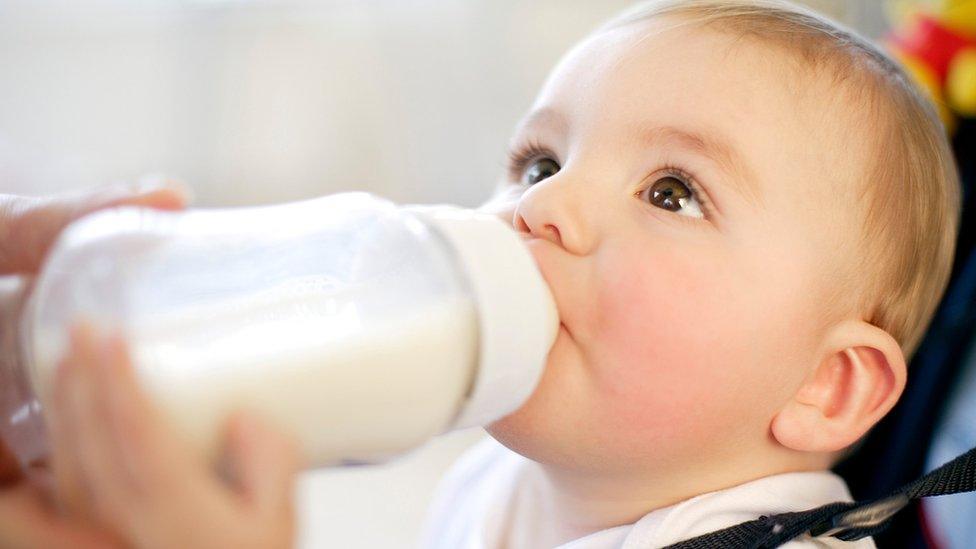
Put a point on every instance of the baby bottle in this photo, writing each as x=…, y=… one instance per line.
x=357, y=326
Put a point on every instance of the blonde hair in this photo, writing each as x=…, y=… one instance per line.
x=913, y=193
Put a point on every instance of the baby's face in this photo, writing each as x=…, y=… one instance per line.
x=688, y=198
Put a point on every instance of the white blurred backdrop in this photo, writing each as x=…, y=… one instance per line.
x=256, y=102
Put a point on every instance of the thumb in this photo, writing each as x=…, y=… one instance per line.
x=30, y=225
x=264, y=463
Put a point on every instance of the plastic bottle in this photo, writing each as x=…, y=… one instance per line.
x=360, y=327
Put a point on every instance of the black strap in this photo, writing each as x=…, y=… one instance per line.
x=845, y=521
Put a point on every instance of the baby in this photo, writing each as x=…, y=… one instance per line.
x=746, y=215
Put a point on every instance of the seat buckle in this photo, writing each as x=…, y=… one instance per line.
x=845, y=524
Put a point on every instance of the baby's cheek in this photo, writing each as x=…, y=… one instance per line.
x=664, y=331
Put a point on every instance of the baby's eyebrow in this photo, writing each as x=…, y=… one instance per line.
x=717, y=149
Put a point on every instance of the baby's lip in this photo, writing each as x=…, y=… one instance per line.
x=533, y=244
x=562, y=326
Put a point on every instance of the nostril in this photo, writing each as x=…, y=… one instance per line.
x=547, y=231
x=520, y=224
x=556, y=236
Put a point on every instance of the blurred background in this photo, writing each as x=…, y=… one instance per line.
x=254, y=102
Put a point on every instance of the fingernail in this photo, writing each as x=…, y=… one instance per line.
x=143, y=186
x=74, y=386
x=110, y=351
x=81, y=329
x=151, y=183
x=62, y=378
x=83, y=336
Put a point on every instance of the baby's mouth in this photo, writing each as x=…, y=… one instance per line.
x=564, y=328
x=530, y=242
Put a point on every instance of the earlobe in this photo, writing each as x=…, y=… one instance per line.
x=857, y=380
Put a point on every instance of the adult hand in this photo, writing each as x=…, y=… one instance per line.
x=27, y=521
x=138, y=477
x=30, y=225
x=28, y=228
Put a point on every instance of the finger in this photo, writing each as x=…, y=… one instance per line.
x=99, y=487
x=164, y=477
x=85, y=429
x=110, y=483
x=13, y=292
x=65, y=457
x=154, y=455
x=29, y=225
x=27, y=522
x=264, y=462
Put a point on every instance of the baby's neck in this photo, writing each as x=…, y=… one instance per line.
x=574, y=504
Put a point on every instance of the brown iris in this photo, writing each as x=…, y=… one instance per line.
x=667, y=193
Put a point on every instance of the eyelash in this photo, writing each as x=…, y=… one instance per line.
x=520, y=157
x=670, y=170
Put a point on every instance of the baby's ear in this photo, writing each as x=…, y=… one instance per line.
x=860, y=376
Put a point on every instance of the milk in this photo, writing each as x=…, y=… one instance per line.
x=389, y=371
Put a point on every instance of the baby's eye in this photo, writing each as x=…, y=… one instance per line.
x=539, y=169
x=671, y=194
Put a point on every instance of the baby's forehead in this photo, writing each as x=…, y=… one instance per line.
x=768, y=103
x=662, y=51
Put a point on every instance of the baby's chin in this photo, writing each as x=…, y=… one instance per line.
x=510, y=434
x=547, y=428
x=521, y=434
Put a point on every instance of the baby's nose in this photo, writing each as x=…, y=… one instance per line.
x=547, y=231
x=556, y=211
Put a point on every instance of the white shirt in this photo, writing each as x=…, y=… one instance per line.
x=478, y=506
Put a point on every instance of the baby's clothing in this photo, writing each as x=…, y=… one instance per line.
x=486, y=501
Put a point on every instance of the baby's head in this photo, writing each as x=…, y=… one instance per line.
x=747, y=217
